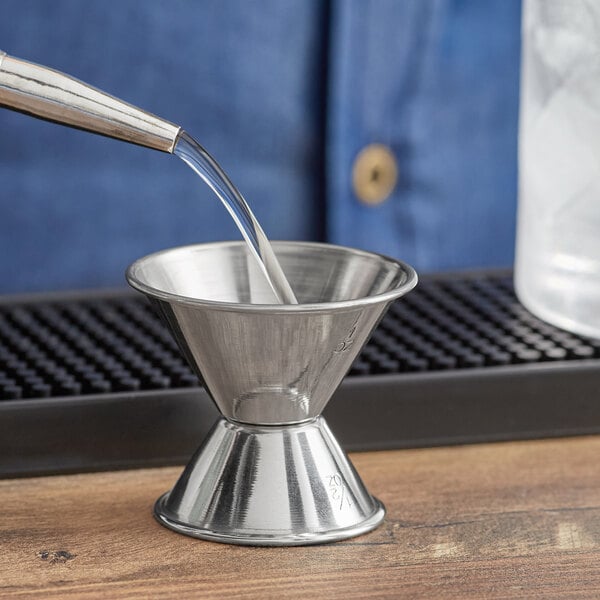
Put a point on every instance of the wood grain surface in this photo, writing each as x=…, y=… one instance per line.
x=511, y=520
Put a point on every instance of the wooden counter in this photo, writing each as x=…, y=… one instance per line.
x=510, y=520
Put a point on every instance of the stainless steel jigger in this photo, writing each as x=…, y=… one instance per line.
x=270, y=472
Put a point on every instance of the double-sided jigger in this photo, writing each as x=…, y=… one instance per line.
x=270, y=472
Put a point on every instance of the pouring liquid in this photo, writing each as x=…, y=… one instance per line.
x=204, y=165
x=55, y=96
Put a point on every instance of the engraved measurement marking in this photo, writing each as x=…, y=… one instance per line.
x=348, y=341
x=338, y=491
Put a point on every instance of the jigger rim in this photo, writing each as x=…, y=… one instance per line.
x=408, y=284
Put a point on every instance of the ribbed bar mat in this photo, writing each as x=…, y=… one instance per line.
x=93, y=380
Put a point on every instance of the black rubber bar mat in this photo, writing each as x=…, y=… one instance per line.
x=93, y=380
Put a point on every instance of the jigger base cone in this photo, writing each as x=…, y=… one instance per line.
x=270, y=486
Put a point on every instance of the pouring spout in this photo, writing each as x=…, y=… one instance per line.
x=51, y=95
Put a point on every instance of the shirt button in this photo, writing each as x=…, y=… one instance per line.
x=374, y=174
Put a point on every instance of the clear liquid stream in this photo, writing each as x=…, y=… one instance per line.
x=204, y=165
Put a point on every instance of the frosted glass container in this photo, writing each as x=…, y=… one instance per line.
x=557, y=270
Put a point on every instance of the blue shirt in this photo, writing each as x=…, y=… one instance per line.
x=285, y=98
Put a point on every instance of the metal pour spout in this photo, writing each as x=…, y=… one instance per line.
x=54, y=96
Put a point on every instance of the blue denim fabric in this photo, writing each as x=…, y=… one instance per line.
x=284, y=95
x=437, y=81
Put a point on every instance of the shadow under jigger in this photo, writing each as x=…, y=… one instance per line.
x=270, y=472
